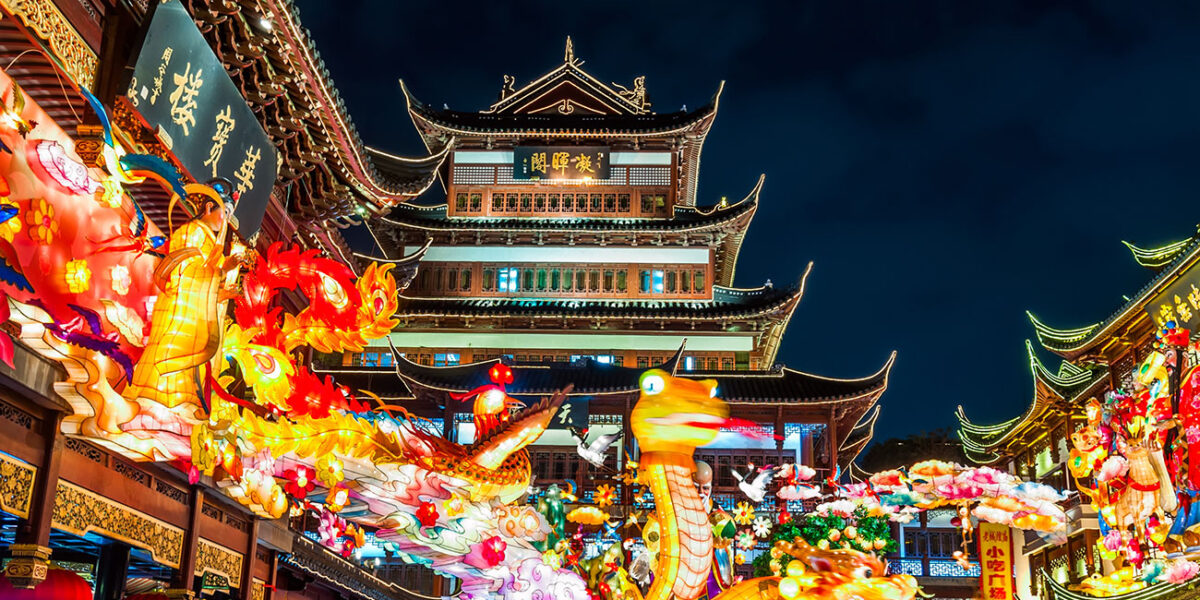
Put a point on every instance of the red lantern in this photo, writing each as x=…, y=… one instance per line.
x=60, y=584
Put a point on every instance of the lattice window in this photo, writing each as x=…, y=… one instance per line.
x=649, y=176
x=477, y=175
x=1124, y=372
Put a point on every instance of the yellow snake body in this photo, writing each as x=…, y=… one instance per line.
x=685, y=550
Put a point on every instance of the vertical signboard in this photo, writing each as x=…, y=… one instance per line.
x=181, y=89
x=1179, y=303
x=996, y=562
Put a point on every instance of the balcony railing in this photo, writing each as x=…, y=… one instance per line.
x=936, y=568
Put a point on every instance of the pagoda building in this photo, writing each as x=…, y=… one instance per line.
x=573, y=248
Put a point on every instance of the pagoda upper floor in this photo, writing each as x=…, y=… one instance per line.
x=561, y=134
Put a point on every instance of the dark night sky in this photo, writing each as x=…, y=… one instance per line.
x=946, y=164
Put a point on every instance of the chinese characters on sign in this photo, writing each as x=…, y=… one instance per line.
x=181, y=89
x=996, y=562
x=560, y=162
x=1179, y=303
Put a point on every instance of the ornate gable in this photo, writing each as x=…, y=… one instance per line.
x=569, y=90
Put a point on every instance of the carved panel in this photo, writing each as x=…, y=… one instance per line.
x=79, y=511
x=213, y=558
x=170, y=491
x=16, y=415
x=85, y=450
x=44, y=18
x=211, y=511
x=258, y=589
x=132, y=472
x=237, y=522
x=16, y=485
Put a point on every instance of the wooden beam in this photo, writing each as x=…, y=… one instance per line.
x=244, y=593
x=186, y=575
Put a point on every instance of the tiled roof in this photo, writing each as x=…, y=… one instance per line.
x=727, y=303
x=780, y=386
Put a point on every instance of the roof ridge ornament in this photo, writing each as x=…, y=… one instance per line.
x=569, y=53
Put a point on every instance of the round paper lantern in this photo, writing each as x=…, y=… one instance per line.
x=60, y=584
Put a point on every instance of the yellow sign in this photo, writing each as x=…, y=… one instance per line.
x=996, y=562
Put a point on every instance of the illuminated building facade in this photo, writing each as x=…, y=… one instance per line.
x=574, y=248
x=1096, y=359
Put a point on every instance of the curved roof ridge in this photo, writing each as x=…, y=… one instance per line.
x=1160, y=256
x=1047, y=334
x=413, y=258
x=884, y=372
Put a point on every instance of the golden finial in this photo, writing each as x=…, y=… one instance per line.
x=569, y=55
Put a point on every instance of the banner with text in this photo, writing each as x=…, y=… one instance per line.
x=1179, y=303
x=996, y=562
x=181, y=89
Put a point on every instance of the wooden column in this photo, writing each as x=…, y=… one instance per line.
x=248, y=564
x=186, y=577
x=110, y=572
x=833, y=443
x=31, y=552
x=449, y=428
x=779, y=429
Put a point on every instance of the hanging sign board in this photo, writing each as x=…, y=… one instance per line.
x=560, y=162
x=181, y=90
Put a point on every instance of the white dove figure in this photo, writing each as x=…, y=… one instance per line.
x=594, y=452
x=755, y=489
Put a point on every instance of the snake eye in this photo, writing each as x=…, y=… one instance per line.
x=652, y=384
x=864, y=573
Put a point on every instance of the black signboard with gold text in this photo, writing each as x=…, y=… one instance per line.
x=181, y=89
x=1179, y=303
x=560, y=162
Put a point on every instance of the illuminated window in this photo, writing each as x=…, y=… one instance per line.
x=476, y=202
x=580, y=280
x=645, y=285
x=464, y=280
x=698, y=281
x=460, y=202
x=596, y=202
x=621, y=287
x=526, y=202
x=555, y=281
x=385, y=359
x=658, y=282
x=541, y=280
x=608, y=280
x=643, y=362
x=593, y=281
x=489, y=280
x=568, y=277
x=689, y=363
x=508, y=280
x=671, y=282
x=448, y=359
x=726, y=364
x=497, y=202
x=527, y=282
